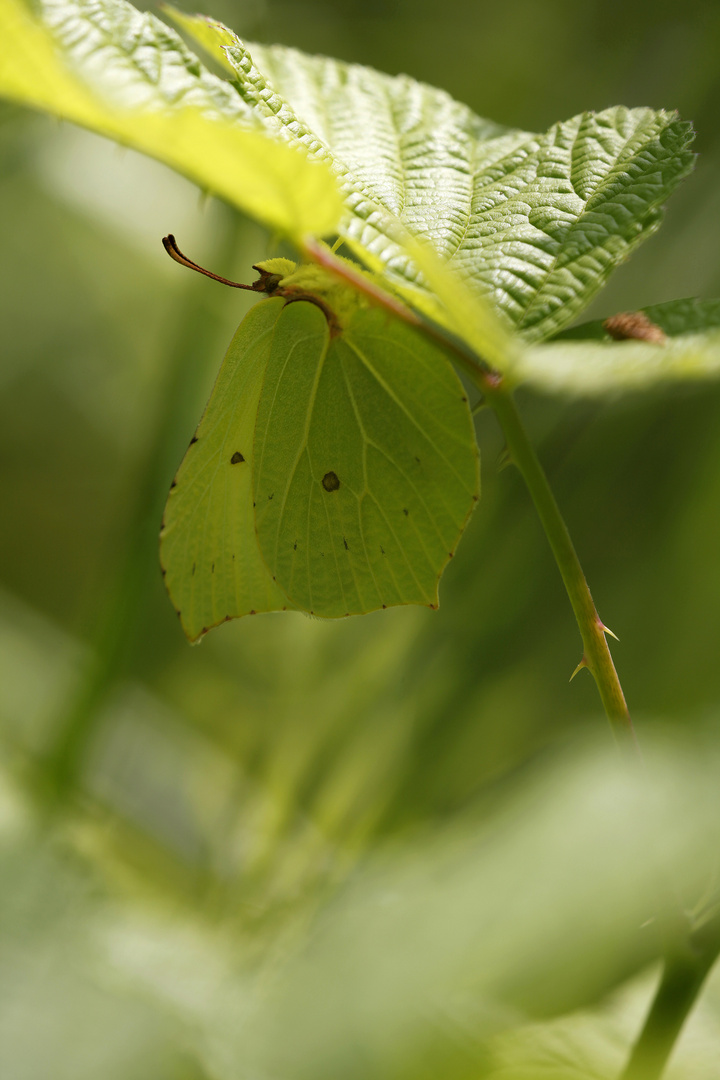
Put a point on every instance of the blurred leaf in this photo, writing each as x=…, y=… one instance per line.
x=591, y=367
x=676, y=317
x=126, y=76
x=62, y=1015
x=436, y=945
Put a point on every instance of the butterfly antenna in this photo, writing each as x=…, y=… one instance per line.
x=175, y=253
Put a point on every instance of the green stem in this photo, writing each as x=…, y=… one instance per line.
x=688, y=956
x=596, y=654
x=686, y=967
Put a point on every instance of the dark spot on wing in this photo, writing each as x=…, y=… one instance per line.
x=174, y=484
x=252, y=612
x=271, y=495
x=405, y=511
x=346, y=544
x=382, y=550
x=463, y=398
x=212, y=568
x=193, y=440
x=163, y=571
x=193, y=569
x=295, y=546
x=418, y=460
x=475, y=498
x=236, y=458
x=384, y=606
x=330, y=481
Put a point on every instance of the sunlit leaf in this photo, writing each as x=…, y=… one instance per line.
x=125, y=75
x=535, y=222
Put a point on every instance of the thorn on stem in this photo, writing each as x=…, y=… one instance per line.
x=504, y=459
x=581, y=665
x=606, y=630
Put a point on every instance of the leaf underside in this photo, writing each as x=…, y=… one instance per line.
x=334, y=475
x=535, y=222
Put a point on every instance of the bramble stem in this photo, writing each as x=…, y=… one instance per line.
x=596, y=654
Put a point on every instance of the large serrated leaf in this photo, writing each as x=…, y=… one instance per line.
x=127, y=76
x=535, y=222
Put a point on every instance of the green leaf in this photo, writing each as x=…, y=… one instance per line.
x=687, y=316
x=586, y=361
x=127, y=76
x=535, y=222
x=365, y=463
x=208, y=549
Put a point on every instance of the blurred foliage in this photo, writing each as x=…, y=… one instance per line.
x=377, y=844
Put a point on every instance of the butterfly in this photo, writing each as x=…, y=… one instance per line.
x=333, y=470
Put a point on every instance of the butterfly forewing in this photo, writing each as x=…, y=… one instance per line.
x=365, y=463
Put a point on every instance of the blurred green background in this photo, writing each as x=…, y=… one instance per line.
x=177, y=822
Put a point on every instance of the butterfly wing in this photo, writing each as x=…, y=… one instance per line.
x=208, y=548
x=366, y=465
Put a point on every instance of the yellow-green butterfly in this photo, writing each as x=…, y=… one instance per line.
x=333, y=470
